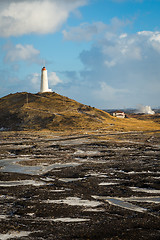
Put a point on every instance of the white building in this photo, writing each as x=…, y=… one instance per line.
x=119, y=114
x=44, y=81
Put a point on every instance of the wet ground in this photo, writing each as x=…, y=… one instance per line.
x=101, y=185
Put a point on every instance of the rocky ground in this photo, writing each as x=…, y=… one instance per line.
x=101, y=185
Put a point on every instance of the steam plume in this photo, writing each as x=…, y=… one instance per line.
x=145, y=109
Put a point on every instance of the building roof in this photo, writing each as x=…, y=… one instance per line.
x=118, y=111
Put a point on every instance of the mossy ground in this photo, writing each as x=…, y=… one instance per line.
x=128, y=159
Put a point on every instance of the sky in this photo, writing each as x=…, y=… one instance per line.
x=103, y=53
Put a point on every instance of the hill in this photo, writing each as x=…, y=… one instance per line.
x=51, y=111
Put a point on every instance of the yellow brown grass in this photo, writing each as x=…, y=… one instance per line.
x=51, y=111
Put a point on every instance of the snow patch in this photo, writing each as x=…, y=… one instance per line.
x=57, y=190
x=67, y=220
x=155, y=199
x=70, y=179
x=146, y=190
x=20, y=183
x=3, y=216
x=75, y=201
x=10, y=235
x=47, y=179
x=82, y=153
x=100, y=175
x=107, y=183
x=94, y=210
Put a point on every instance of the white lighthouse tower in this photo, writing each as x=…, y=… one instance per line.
x=44, y=81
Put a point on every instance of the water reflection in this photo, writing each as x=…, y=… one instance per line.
x=12, y=165
x=125, y=202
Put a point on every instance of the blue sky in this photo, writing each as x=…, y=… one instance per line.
x=103, y=53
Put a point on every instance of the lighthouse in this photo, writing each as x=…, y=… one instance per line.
x=44, y=81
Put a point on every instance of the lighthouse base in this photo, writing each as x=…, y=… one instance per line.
x=48, y=90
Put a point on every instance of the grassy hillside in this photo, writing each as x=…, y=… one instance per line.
x=26, y=111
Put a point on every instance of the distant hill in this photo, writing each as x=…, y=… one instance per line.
x=51, y=111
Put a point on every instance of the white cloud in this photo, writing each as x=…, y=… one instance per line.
x=88, y=32
x=155, y=41
x=111, y=63
x=145, y=33
x=109, y=93
x=151, y=38
x=84, y=32
x=36, y=16
x=35, y=79
x=53, y=79
x=123, y=69
x=117, y=49
x=21, y=52
x=124, y=35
